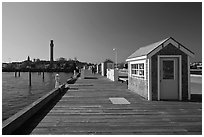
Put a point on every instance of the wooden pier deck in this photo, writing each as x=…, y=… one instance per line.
x=86, y=108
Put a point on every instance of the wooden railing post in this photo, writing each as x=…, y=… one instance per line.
x=29, y=77
x=19, y=73
x=15, y=74
x=43, y=75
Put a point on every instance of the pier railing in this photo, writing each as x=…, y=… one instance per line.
x=112, y=74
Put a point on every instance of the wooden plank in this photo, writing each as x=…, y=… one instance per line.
x=111, y=129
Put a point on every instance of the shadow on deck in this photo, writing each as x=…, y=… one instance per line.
x=196, y=97
x=90, y=78
x=28, y=127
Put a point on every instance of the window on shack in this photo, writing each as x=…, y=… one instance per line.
x=138, y=70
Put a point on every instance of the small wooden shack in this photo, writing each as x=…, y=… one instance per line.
x=161, y=71
x=107, y=64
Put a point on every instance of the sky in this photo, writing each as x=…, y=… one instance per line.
x=90, y=31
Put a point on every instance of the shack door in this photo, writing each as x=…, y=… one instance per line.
x=169, y=80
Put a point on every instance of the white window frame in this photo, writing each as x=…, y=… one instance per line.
x=137, y=75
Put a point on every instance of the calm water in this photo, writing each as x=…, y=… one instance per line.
x=196, y=84
x=16, y=93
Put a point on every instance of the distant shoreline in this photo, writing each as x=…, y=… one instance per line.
x=40, y=70
x=193, y=72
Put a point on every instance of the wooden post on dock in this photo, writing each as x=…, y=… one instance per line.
x=57, y=83
x=29, y=78
x=43, y=75
x=15, y=73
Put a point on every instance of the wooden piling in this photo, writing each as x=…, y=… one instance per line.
x=43, y=75
x=19, y=73
x=29, y=78
x=15, y=73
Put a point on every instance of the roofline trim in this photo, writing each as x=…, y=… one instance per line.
x=173, y=42
x=137, y=58
x=158, y=46
x=152, y=49
x=183, y=46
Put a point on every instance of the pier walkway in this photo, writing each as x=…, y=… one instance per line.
x=96, y=105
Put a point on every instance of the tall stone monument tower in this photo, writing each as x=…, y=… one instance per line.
x=51, y=52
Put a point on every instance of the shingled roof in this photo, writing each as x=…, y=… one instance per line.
x=149, y=48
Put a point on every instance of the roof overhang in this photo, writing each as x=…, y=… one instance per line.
x=136, y=58
x=160, y=46
x=173, y=42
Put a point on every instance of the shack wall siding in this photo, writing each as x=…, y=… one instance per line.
x=138, y=85
x=170, y=50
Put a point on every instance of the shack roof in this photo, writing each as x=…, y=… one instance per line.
x=108, y=61
x=149, y=48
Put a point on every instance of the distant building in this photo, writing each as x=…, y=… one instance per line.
x=107, y=64
x=196, y=65
x=28, y=58
x=16, y=65
x=4, y=65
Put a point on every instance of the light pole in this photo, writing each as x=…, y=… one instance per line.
x=115, y=57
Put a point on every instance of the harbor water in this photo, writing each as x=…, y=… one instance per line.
x=196, y=84
x=17, y=94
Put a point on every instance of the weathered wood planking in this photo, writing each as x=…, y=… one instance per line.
x=86, y=109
